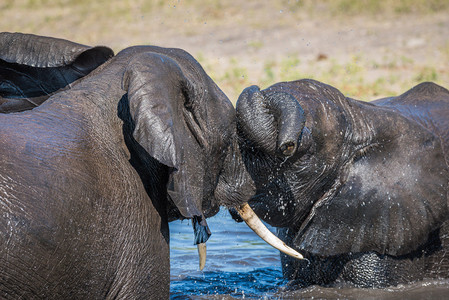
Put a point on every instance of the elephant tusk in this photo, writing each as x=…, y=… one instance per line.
x=202, y=253
x=253, y=222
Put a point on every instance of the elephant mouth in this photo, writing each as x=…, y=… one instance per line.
x=253, y=222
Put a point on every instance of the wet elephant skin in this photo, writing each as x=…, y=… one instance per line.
x=90, y=178
x=361, y=189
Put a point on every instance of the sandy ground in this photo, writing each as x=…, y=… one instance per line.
x=422, y=40
x=418, y=37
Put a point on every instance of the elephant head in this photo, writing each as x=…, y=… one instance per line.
x=155, y=104
x=344, y=175
x=32, y=68
x=199, y=146
x=98, y=169
x=184, y=121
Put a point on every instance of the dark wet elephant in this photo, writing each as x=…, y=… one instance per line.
x=32, y=70
x=90, y=178
x=360, y=189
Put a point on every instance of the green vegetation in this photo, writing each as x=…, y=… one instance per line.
x=217, y=7
x=355, y=78
x=370, y=7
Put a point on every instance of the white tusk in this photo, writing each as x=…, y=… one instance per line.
x=253, y=222
x=202, y=253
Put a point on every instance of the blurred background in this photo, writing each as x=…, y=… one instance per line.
x=368, y=49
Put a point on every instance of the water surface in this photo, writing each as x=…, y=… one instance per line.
x=241, y=266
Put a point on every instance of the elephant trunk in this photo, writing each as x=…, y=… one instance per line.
x=270, y=120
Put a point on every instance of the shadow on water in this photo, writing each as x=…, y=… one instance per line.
x=240, y=265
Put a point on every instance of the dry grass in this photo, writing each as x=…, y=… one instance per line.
x=366, y=48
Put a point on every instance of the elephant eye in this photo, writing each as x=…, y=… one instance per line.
x=364, y=151
x=190, y=112
x=190, y=117
x=188, y=106
x=194, y=125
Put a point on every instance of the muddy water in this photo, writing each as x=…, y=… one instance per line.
x=239, y=265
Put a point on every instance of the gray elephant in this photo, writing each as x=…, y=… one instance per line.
x=360, y=189
x=97, y=155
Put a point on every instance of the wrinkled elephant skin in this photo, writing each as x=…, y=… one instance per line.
x=360, y=189
x=90, y=178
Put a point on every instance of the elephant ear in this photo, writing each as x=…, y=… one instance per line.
x=47, y=52
x=158, y=93
x=33, y=67
x=390, y=197
x=154, y=85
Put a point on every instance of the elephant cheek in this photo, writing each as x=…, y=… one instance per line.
x=188, y=199
x=277, y=211
x=186, y=195
x=234, y=187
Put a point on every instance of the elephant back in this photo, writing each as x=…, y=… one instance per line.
x=427, y=104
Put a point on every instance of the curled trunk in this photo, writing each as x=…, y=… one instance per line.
x=270, y=121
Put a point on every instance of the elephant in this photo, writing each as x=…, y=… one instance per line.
x=91, y=174
x=360, y=189
x=98, y=153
